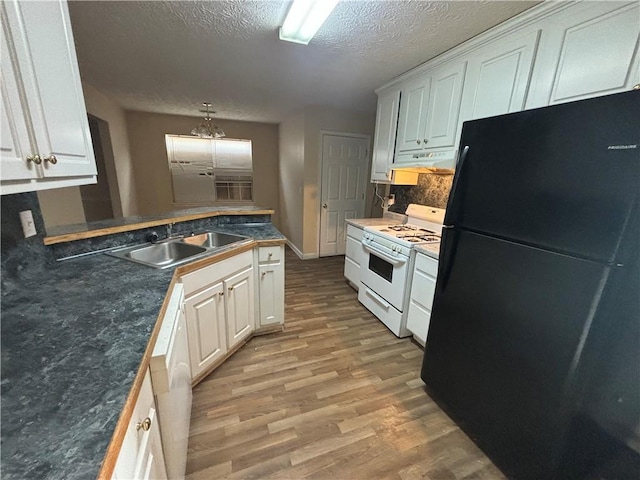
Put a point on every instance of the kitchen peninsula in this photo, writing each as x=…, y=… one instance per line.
x=77, y=333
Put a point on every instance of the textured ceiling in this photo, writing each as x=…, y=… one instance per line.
x=168, y=57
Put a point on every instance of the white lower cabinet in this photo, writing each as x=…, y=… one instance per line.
x=219, y=309
x=171, y=379
x=270, y=286
x=354, y=256
x=423, y=287
x=239, y=303
x=141, y=455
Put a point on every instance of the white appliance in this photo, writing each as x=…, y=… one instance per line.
x=171, y=377
x=385, y=274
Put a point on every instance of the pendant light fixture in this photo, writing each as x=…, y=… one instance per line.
x=206, y=129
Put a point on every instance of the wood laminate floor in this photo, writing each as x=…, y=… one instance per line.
x=335, y=396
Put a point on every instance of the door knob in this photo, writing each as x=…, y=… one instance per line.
x=324, y=205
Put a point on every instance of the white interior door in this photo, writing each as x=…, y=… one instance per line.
x=344, y=183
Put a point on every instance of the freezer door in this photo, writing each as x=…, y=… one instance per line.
x=506, y=332
x=565, y=178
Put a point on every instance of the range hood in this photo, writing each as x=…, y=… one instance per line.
x=425, y=162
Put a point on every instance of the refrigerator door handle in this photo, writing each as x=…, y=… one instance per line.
x=448, y=248
x=450, y=214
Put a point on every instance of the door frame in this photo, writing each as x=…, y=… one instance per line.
x=321, y=136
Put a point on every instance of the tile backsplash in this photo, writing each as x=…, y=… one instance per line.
x=432, y=190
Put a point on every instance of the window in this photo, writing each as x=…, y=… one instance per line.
x=208, y=170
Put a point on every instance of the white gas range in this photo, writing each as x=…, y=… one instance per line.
x=385, y=275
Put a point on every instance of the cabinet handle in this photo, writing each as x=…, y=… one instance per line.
x=37, y=159
x=144, y=425
x=418, y=142
x=51, y=159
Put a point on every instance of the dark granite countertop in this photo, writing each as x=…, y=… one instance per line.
x=73, y=336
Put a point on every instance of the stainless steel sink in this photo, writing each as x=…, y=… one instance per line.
x=176, y=251
x=159, y=255
x=213, y=239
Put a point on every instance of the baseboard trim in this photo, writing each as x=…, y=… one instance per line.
x=301, y=256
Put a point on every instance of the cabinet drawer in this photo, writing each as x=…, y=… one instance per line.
x=427, y=264
x=418, y=320
x=353, y=250
x=352, y=271
x=208, y=275
x=354, y=232
x=270, y=254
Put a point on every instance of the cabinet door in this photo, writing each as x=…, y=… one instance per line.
x=498, y=77
x=14, y=134
x=590, y=50
x=141, y=454
x=423, y=287
x=413, y=114
x=271, y=294
x=444, y=105
x=46, y=56
x=206, y=327
x=384, y=143
x=240, y=315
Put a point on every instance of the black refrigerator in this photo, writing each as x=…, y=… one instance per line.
x=534, y=340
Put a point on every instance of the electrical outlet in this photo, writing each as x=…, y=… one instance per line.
x=28, y=226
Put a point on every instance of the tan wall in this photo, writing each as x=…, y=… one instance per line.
x=149, y=153
x=316, y=119
x=61, y=206
x=122, y=171
x=292, y=179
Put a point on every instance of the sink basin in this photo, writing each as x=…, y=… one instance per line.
x=175, y=251
x=160, y=255
x=213, y=239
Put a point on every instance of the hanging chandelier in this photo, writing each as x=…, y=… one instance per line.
x=206, y=129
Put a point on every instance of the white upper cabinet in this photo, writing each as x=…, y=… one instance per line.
x=444, y=106
x=552, y=53
x=412, y=123
x=586, y=51
x=498, y=77
x=384, y=143
x=42, y=101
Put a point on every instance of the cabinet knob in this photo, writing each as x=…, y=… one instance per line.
x=35, y=159
x=221, y=294
x=144, y=425
x=426, y=140
x=231, y=288
x=636, y=86
x=418, y=142
x=264, y=273
x=270, y=254
x=51, y=159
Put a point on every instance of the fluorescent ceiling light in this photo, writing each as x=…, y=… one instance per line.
x=304, y=19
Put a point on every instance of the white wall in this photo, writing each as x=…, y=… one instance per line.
x=61, y=206
x=319, y=118
x=106, y=109
x=300, y=160
x=291, y=179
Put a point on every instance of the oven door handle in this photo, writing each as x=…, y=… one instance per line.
x=384, y=255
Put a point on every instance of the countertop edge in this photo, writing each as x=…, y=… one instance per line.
x=115, y=444
x=69, y=237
